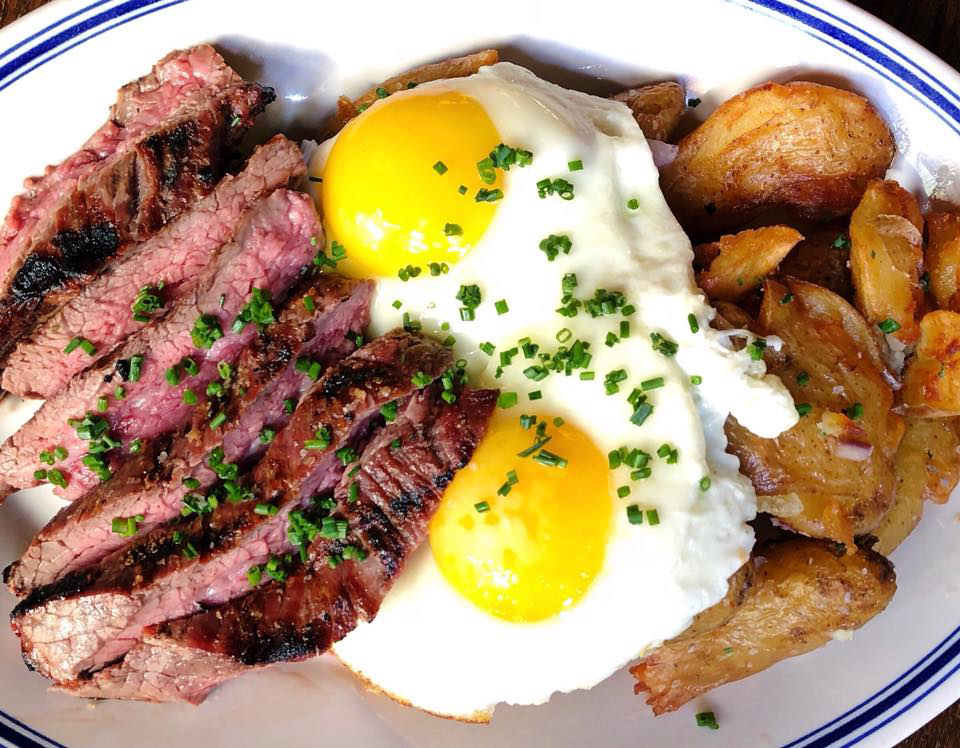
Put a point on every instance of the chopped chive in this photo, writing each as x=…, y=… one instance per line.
x=309, y=304
x=587, y=376
x=854, y=412
x=575, y=165
x=692, y=321
x=633, y=203
x=353, y=493
x=389, y=411
x=641, y=413
x=501, y=306
x=40, y=474
x=482, y=506
x=651, y=384
x=88, y=347
x=452, y=229
x=440, y=167
x=136, y=362
x=550, y=459
x=102, y=404
x=507, y=399
x=803, y=409
x=189, y=397
x=708, y=720
x=267, y=434
x=634, y=515
x=172, y=375
x=756, y=348
x=786, y=298
x=135, y=446
x=488, y=196
x=841, y=242
x=696, y=379
x=623, y=491
x=803, y=378
x=254, y=575
x=487, y=348
x=420, y=380
x=59, y=453
x=266, y=510
x=72, y=345
x=462, y=189
x=119, y=392
x=653, y=517
x=535, y=395
x=190, y=366
x=705, y=483
x=289, y=406
x=223, y=368
x=889, y=325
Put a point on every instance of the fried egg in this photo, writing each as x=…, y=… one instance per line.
x=522, y=224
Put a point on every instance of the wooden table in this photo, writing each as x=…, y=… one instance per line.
x=936, y=25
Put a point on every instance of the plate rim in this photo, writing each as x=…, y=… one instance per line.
x=891, y=712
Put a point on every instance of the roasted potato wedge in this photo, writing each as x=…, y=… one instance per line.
x=656, y=107
x=741, y=261
x=802, y=146
x=803, y=592
x=942, y=259
x=927, y=467
x=831, y=475
x=931, y=377
x=821, y=258
x=717, y=615
x=455, y=67
x=886, y=259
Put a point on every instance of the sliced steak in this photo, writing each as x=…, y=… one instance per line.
x=276, y=241
x=167, y=143
x=168, y=264
x=400, y=486
x=255, y=398
x=93, y=616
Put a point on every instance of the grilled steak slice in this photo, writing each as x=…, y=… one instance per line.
x=95, y=615
x=168, y=263
x=270, y=249
x=399, y=489
x=151, y=485
x=166, y=144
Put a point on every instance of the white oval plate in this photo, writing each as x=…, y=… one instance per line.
x=59, y=70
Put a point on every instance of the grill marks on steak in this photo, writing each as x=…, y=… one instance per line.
x=175, y=257
x=400, y=488
x=93, y=616
x=268, y=253
x=151, y=485
x=168, y=143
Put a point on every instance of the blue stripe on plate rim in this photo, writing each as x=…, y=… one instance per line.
x=914, y=684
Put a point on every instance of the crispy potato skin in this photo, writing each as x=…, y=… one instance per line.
x=741, y=261
x=657, y=107
x=931, y=377
x=455, y=67
x=802, y=592
x=801, y=146
x=886, y=257
x=821, y=258
x=828, y=476
x=927, y=469
x=942, y=259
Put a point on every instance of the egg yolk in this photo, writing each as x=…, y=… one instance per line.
x=400, y=184
x=532, y=552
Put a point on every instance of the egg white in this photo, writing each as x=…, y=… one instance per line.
x=431, y=647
